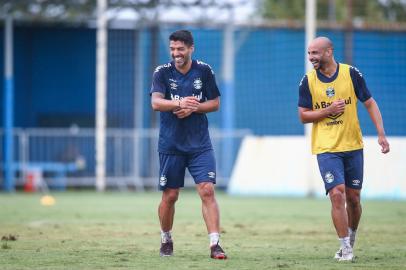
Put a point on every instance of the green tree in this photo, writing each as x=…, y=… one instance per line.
x=85, y=10
x=371, y=11
x=283, y=9
x=49, y=10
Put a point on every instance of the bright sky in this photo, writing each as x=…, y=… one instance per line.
x=243, y=13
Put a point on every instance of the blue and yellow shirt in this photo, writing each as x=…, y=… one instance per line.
x=340, y=132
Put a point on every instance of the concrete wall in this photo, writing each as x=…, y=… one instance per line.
x=283, y=166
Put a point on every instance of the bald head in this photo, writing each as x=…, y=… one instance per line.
x=322, y=43
x=320, y=53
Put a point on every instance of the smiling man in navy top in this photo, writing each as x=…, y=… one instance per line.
x=184, y=90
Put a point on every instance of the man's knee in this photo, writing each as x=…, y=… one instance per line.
x=337, y=196
x=170, y=196
x=206, y=191
x=353, y=199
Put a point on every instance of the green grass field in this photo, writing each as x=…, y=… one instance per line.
x=85, y=230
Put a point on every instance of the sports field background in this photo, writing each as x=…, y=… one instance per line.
x=86, y=230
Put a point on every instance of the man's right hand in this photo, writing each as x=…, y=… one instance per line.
x=191, y=103
x=336, y=107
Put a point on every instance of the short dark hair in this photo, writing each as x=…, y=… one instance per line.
x=182, y=35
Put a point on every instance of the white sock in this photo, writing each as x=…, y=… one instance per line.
x=352, y=234
x=214, y=238
x=345, y=242
x=166, y=237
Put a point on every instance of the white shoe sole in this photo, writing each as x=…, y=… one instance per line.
x=346, y=259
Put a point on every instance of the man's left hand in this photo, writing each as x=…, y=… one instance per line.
x=182, y=113
x=384, y=144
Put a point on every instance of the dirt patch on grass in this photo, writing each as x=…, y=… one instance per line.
x=10, y=237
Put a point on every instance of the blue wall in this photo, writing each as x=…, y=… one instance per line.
x=2, y=77
x=121, y=78
x=381, y=56
x=55, y=76
x=54, y=72
x=269, y=66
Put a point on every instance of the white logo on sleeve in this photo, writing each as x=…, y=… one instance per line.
x=212, y=174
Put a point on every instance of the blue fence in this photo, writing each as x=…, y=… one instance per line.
x=55, y=75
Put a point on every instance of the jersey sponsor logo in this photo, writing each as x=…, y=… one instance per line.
x=325, y=104
x=177, y=97
x=163, y=180
x=356, y=182
x=158, y=68
x=328, y=177
x=330, y=92
x=197, y=84
x=336, y=116
x=335, y=122
x=211, y=174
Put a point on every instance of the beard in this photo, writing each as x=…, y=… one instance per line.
x=318, y=65
x=181, y=61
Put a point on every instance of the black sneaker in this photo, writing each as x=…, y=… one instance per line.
x=216, y=252
x=166, y=249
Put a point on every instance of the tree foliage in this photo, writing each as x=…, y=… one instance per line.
x=84, y=10
x=374, y=11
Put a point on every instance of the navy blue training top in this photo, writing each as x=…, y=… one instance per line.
x=360, y=87
x=187, y=135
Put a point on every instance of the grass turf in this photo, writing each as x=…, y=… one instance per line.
x=86, y=230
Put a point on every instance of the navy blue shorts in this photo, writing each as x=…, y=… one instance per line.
x=342, y=168
x=202, y=167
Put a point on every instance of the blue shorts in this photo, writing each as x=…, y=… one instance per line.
x=342, y=168
x=202, y=167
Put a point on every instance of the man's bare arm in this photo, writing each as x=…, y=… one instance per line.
x=159, y=103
